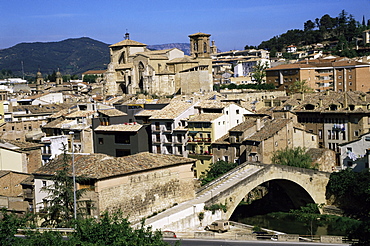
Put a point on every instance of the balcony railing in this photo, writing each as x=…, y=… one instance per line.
x=201, y=153
x=195, y=139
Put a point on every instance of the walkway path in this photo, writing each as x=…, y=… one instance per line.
x=190, y=207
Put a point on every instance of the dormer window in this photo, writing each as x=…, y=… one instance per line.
x=351, y=107
x=333, y=107
x=309, y=107
x=288, y=107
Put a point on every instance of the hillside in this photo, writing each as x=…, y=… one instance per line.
x=71, y=56
x=181, y=46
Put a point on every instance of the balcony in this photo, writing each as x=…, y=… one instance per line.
x=200, y=153
x=201, y=140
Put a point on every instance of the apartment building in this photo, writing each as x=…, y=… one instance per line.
x=322, y=75
x=169, y=128
x=213, y=120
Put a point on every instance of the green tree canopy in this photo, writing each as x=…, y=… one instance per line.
x=216, y=170
x=351, y=192
x=295, y=157
x=59, y=211
x=259, y=72
x=90, y=78
x=300, y=86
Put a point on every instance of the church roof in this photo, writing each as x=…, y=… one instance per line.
x=127, y=42
x=199, y=34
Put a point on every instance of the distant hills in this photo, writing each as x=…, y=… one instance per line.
x=71, y=56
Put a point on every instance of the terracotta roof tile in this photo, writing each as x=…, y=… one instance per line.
x=171, y=111
x=111, y=112
x=99, y=166
x=120, y=128
x=127, y=42
x=205, y=117
x=269, y=129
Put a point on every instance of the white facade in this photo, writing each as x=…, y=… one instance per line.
x=355, y=154
x=53, y=146
x=50, y=98
x=40, y=195
x=170, y=134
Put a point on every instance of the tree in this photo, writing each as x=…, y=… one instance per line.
x=309, y=25
x=259, y=72
x=295, y=157
x=216, y=170
x=114, y=229
x=299, y=86
x=309, y=215
x=9, y=224
x=59, y=211
x=90, y=78
x=351, y=192
x=52, y=77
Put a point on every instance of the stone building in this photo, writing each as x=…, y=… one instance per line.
x=11, y=192
x=258, y=137
x=139, y=185
x=335, y=117
x=20, y=156
x=135, y=69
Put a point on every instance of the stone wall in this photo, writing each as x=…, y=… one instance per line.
x=17, y=130
x=143, y=194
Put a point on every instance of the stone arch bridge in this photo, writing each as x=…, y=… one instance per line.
x=301, y=185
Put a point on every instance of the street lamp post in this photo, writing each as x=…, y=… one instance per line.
x=73, y=176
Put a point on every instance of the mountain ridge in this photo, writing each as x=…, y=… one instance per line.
x=70, y=56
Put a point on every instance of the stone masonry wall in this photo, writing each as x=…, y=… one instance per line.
x=144, y=194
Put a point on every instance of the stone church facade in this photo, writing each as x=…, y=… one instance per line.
x=133, y=68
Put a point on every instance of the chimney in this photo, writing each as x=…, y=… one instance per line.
x=258, y=124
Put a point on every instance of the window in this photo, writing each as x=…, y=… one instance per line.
x=157, y=126
x=320, y=134
x=356, y=133
x=122, y=138
x=101, y=140
x=44, y=183
x=168, y=126
x=237, y=111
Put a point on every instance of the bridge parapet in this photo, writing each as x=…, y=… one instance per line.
x=304, y=185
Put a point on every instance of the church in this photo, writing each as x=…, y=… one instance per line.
x=133, y=68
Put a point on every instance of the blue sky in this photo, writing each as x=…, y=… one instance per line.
x=232, y=24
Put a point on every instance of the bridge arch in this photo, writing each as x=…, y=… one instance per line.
x=301, y=185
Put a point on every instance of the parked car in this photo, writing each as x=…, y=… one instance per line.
x=168, y=234
x=219, y=226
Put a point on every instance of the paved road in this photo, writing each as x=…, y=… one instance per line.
x=200, y=242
